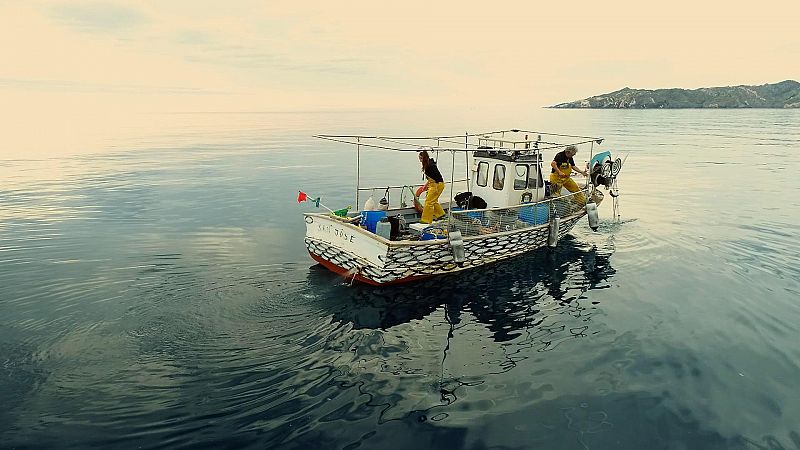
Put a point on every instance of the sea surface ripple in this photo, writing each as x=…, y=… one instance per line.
x=155, y=293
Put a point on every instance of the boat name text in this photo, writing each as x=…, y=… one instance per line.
x=338, y=232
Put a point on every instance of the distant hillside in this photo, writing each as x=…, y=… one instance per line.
x=785, y=94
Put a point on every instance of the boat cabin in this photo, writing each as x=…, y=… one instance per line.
x=507, y=172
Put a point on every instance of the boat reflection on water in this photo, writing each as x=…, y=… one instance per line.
x=438, y=349
x=507, y=297
x=456, y=361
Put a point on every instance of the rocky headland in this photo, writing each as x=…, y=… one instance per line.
x=785, y=94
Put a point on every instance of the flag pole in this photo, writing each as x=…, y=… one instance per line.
x=303, y=197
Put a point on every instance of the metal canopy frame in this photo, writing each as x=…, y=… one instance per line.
x=471, y=142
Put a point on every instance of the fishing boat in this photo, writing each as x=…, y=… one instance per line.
x=504, y=207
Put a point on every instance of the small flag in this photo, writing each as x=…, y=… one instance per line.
x=342, y=212
x=303, y=197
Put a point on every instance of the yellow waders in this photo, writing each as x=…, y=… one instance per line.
x=432, y=209
x=557, y=182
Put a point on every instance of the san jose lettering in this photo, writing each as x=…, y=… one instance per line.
x=338, y=232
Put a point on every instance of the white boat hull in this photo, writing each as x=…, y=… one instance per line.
x=354, y=252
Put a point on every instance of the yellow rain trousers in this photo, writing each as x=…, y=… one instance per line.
x=432, y=209
x=557, y=182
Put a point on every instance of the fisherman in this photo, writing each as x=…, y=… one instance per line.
x=434, y=186
x=563, y=165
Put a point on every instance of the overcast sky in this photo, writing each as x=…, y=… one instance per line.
x=204, y=55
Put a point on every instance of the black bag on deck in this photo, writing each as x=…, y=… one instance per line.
x=395, y=232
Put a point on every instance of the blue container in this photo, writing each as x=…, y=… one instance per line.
x=433, y=232
x=369, y=219
x=475, y=215
x=537, y=214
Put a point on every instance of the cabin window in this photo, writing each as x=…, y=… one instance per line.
x=499, y=177
x=535, y=177
x=482, y=177
x=520, y=176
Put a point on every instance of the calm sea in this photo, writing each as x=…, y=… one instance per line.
x=155, y=293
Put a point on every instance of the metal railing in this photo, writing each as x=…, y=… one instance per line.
x=478, y=222
x=404, y=194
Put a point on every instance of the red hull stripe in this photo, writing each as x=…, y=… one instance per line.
x=344, y=272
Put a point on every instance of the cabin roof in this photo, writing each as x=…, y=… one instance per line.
x=521, y=156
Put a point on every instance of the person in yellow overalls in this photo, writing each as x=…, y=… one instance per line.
x=563, y=165
x=434, y=187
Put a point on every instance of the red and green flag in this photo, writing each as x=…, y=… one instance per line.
x=303, y=197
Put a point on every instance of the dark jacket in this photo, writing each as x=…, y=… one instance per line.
x=432, y=172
